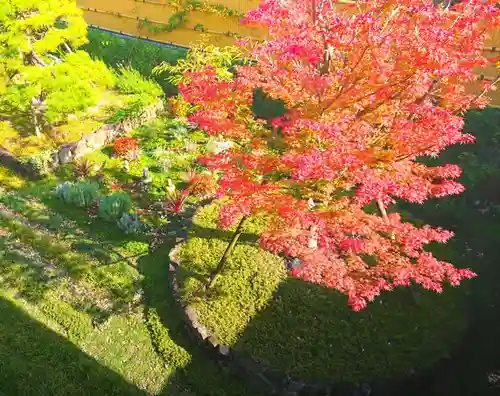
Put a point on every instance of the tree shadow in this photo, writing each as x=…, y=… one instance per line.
x=473, y=216
x=308, y=332
x=225, y=235
x=34, y=360
x=21, y=120
x=98, y=254
x=18, y=272
x=202, y=376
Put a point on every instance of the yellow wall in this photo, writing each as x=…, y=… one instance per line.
x=128, y=16
x=125, y=16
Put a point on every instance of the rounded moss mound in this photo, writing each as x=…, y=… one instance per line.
x=308, y=330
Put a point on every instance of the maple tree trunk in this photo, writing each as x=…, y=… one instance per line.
x=234, y=240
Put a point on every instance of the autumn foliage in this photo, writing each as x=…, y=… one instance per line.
x=368, y=89
x=202, y=185
x=126, y=148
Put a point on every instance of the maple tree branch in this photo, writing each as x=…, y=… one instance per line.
x=427, y=93
x=381, y=207
x=345, y=83
x=484, y=92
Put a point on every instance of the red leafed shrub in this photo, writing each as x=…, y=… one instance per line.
x=369, y=90
x=202, y=184
x=175, y=201
x=126, y=148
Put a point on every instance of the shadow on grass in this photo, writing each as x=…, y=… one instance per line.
x=225, y=235
x=201, y=376
x=34, y=360
x=309, y=332
x=474, y=217
x=18, y=271
x=92, y=254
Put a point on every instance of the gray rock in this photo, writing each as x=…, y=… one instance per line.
x=191, y=314
x=97, y=139
x=111, y=132
x=295, y=386
x=175, y=286
x=66, y=153
x=80, y=149
x=127, y=126
x=55, y=160
x=365, y=390
x=212, y=340
x=203, y=332
x=224, y=350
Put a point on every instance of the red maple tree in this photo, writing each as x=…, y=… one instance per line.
x=369, y=89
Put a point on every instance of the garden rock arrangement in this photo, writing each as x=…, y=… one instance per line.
x=88, y=143
x=106, y=134
x=266, y=379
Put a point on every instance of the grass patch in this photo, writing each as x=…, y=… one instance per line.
x=143, y=56
x=28, y=348
x=123, y=344
x=309, y=330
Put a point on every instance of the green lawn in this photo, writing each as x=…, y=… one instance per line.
x=100, y=298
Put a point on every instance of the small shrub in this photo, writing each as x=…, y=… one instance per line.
x=41, y=162
x=190, y=146
x=178, y=131
x=159, y=152
x=180, y=107
x=165, y=164
x=112, y=207
x=131, y=82
x=201, y=55
x=82, y=194
x=216, y=147
x=175, y=201
x=83, y=168
x=126, y=148
x=129, y=223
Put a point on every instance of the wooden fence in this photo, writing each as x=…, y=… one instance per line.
x=169, y=21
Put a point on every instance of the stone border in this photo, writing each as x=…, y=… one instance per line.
x=90, y=142
x=268, y=380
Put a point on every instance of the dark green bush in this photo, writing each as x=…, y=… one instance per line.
x=112, y=207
